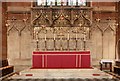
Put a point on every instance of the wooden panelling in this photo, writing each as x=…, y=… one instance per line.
x=19, y=16
x=16, y=4
x=18, y=9
x=103, y=3
x=104, y=8
x=104, y=16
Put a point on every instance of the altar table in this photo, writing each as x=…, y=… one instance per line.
x=68, y=59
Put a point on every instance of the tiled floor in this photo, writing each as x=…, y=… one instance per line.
x=19, y=68
x=61, y=73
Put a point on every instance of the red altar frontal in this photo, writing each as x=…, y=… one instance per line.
x=61, y=59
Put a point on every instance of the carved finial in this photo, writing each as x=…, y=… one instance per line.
x=109, y=18
x=98, y=19
x=7, y=24
x=80, y=24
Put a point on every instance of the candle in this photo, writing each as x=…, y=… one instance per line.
x=36, y=35
x=84, y=36
x=50, y=3
x=90, y=3
x=31, y=4
x=68, y=36
x=88, y=30
x=54, y=36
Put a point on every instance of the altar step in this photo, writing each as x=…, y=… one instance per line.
x=71, y=79
x=113, y=74
x=61, y=74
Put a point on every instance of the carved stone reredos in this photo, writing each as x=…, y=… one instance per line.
x=61, y=17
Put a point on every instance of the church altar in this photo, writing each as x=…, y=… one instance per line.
x=69, y=59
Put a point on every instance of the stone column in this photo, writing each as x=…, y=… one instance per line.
x=118, y=29
x=0, y=31
x=3, y=31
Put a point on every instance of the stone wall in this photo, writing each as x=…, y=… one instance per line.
x=103, y=37
x=102, y=41
x=21, y=43
x=3, y=29
x=0, y=30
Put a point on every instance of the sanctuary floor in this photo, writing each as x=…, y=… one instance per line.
x=61, y=73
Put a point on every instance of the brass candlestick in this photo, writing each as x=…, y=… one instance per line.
x=37, y=42
x=54, y=43
x=45, y=43
x=61, y=44
x=68, y=41
x=37, y=46
x=76, y=42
